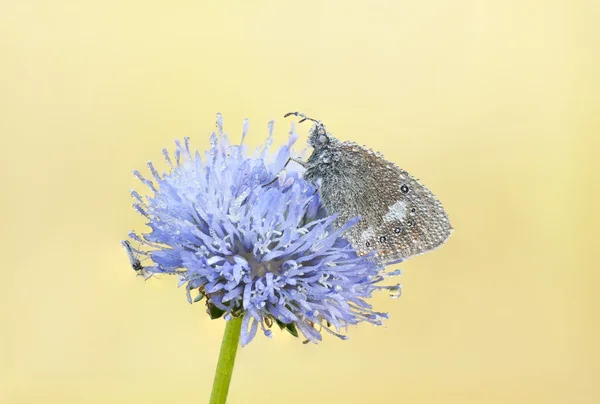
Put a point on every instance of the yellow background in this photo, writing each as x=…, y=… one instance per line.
x=493, y=104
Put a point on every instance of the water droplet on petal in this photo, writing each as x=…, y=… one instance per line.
x=395, y=292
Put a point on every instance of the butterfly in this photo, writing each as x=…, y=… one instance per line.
x=399, y=217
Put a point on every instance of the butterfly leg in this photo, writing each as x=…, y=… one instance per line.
x=297, y=160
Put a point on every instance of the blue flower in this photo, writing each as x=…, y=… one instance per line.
x=254, y=241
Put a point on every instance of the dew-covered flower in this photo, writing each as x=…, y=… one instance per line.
x=254, y=241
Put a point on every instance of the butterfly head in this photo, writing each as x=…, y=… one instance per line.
x=318, y=136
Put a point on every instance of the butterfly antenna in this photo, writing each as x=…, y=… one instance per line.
x=301, y=115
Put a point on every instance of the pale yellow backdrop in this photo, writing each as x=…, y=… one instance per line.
x=493, y=104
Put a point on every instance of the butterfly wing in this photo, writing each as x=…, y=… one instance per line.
x=400, y=218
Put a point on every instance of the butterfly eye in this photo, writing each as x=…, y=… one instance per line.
x=404, y=189
x=397, y=230
x=368, y=244
x=323, y=139
x=382, y=239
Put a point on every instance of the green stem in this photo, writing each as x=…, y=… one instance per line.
x=229, y=346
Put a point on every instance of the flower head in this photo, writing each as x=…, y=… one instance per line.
x=254, y=241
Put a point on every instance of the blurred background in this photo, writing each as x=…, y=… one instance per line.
x=492, y=104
